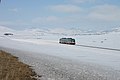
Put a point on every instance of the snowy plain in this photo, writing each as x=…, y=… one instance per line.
x=56, y=61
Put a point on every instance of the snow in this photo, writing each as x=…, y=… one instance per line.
x=110, y=40
x=102, y=57
x=68, y=60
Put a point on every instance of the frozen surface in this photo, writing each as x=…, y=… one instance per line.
x=77, y=53
x=56, y=68
x=56, y=61
x=110, y=40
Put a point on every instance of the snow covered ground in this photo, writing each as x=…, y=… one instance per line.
x=56, y=61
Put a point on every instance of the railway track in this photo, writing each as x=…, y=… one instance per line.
x=99, y=47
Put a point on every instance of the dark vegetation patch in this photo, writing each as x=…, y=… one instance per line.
x=12, y=69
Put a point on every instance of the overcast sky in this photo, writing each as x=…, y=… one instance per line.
x=83, y=14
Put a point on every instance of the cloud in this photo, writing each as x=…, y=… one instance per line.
x=81, y=1
x=17, y=22
x=14, y=9
x=105, y=13
x=43, y=20
x=66, y=8
x=5, y=22
x=108, y=15
x=55, y=20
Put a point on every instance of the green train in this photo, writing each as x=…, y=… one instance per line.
x=70, y=41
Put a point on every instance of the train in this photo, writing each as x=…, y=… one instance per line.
x=70, y=41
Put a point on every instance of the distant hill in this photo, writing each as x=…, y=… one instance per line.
x=5, y=29
x=55, y=31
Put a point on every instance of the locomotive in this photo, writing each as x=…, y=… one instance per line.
x=70, y=41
